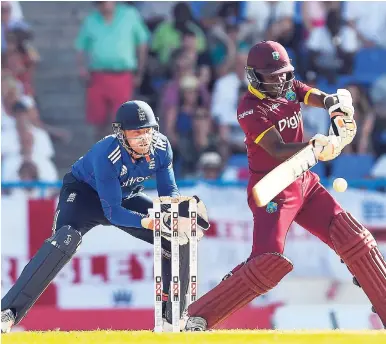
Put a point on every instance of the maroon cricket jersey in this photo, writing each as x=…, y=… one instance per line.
x=257, y=114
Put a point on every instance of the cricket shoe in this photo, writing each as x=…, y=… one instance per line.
x=7, y=320
x=195, y=324
x=168, y=327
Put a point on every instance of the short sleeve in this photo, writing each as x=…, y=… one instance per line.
x=141, y=31
x=254, y=123
x=82, y=42
x=302, y=91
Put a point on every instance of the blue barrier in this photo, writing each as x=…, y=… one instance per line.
x=369, y=184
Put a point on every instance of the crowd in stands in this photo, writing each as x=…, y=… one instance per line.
x=27, y=151
x=187, y=60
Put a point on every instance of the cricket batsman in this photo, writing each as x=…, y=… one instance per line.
x=270, y=116
x=104, y=187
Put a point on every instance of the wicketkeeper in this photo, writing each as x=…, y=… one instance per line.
x=104, y=187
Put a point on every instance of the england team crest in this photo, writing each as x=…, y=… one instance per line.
x=141, y=114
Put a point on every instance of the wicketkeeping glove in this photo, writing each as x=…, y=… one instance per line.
x=183, y=209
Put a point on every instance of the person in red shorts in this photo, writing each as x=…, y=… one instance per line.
x=270, y=116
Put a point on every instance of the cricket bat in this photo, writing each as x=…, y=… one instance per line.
x=283, y=175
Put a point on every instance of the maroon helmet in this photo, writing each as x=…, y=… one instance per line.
x=269, y=58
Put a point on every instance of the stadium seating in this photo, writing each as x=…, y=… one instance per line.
x=352, y=166
x=369, y=64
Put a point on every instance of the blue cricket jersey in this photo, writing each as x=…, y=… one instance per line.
x=109, y=169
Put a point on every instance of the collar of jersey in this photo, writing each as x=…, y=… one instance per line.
x=255, y=92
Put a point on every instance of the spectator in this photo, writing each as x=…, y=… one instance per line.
x=202, y=61
x=367, y=18
x=224, y=51
x=271, y=20
x=206, y=12
x=109, y=37
x=227, y=92
x=17, y=138
x=378, y=96
x=364, y=117
x=168, y=35
x=21, y=140
x=184, y=65
x=11, y=18
x=188, y=125
x=28, y=172
x=314, y=15
x=332, y=47
x=210, y=166
x=154, y=12
x=21, y=57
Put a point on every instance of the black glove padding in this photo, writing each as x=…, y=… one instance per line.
x=202, y=214
x=183, y=211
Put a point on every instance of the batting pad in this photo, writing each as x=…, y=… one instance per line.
x=256, y=277
x=359, y=251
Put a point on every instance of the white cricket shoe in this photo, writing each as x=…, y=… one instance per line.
x=195, y=324
x=167, y=327
x=7, y=320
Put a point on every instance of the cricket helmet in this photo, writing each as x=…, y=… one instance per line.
x=133, y=115
x=269, y=58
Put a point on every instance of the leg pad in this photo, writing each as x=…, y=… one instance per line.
x=358, y=249
x=255, y=278
x=55, y=253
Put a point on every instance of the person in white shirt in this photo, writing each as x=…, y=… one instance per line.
x=270, y=20
x=226, y=93
x=332, y=47
x=368, y=19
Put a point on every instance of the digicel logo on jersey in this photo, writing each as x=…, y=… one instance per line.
x=290, y=122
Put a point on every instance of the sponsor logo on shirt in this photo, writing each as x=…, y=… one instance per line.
x=123, y=170
x=245, y=113
x=135, y=180
x=290, y=122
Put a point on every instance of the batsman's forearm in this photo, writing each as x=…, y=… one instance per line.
x=284, y=151
x=316, y=98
